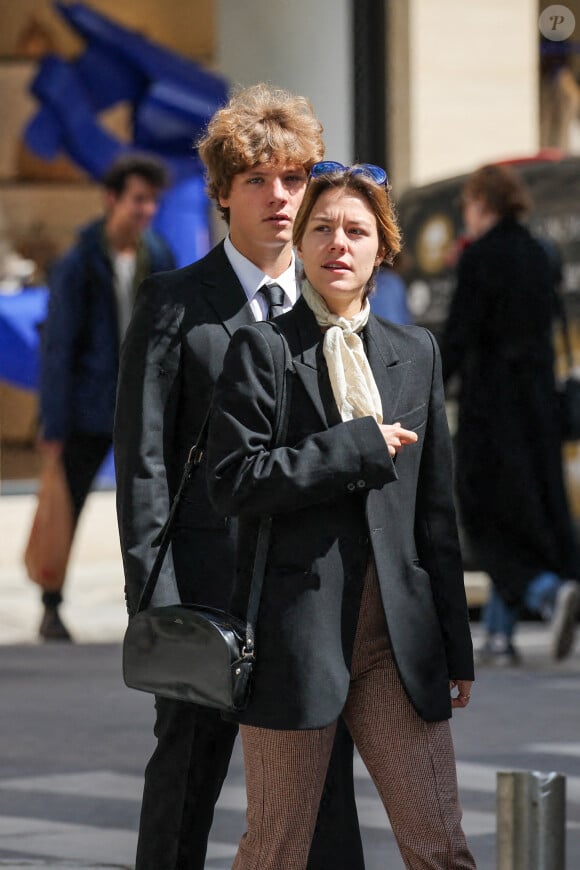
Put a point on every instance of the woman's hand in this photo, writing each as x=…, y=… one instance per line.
x=396, y=437
x=463, y=693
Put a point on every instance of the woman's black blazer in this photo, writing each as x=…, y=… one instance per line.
x=335, y=496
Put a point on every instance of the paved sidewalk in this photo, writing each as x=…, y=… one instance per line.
x=70, y=786
x=93, y=609
x=94, y=605
x=76, y=741
x=38, y=865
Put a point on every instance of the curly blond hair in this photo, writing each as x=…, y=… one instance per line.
x=259, y=124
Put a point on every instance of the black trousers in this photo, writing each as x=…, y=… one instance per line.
x=82, y=455
x=184, y=778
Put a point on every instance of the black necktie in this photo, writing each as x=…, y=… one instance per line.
x=274, y=296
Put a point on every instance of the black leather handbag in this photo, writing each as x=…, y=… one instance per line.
x=189, y=652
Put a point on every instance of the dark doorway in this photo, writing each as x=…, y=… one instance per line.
x=370, y=85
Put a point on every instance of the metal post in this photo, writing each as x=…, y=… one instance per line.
x=531, y=820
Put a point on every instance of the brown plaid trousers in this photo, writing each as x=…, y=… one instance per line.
x=411, y=762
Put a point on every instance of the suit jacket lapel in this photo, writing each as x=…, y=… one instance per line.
x=310, y=365
x=389, y=372
x=224, y=293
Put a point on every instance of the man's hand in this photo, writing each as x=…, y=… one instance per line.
x=50, y=450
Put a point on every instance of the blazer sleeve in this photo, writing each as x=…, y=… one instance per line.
x=246, y=476
x=145, y=418
x=436, y=533
x=60, y=336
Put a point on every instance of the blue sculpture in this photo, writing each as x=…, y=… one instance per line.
x=171, y=97
x=20, y=317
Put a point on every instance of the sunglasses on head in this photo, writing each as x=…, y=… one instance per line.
x=328, y=167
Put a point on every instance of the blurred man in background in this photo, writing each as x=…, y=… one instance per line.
x=92, y=290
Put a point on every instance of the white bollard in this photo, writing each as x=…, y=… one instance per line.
x=531, y=820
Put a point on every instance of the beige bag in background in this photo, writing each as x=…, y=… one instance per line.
x=49, y=544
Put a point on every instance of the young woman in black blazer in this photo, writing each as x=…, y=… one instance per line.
x=363, y=610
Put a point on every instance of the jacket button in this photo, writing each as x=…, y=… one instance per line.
x=361, y=484
x=351, y=487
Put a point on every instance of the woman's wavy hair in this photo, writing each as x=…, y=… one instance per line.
x=501, y=189
x=376, y=195
x=259, y=124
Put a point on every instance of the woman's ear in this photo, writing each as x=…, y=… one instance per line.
x=381, y=254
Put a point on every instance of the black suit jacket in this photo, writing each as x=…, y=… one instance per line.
x=334, y=491
x=171, y=357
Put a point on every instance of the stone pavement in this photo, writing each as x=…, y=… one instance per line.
x=75, y=742
x=94, y=605
x=70, y=785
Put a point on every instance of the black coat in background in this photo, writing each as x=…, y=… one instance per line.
x=498, y=338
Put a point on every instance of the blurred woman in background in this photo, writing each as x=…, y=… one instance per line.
x=498, y=339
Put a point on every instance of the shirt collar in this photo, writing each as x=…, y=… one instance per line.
x=253, y=279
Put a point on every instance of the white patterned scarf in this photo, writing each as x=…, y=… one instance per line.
x=353, y=384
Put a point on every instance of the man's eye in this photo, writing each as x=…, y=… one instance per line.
x=255, y=180
x=295, y=179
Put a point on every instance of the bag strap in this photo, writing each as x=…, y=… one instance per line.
x=163, y=539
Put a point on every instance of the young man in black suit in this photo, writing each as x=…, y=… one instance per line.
x=258, y=151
